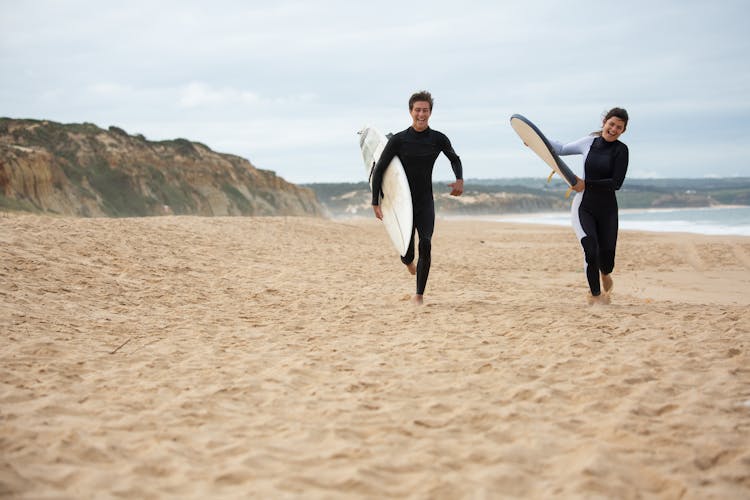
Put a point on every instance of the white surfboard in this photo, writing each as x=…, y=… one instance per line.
x=535, y=140
x=395, y=197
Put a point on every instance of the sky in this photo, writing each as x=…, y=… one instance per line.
x=287, y=84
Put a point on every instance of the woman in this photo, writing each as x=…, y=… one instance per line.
x=594, y=209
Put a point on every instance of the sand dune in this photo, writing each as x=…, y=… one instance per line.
x=192, y=357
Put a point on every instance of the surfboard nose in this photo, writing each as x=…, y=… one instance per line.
x=363, y=135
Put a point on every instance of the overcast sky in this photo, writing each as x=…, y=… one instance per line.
x=287, y=84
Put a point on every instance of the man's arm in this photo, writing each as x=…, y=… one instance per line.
x=456, y=165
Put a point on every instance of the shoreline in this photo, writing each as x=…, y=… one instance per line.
x=561, y=219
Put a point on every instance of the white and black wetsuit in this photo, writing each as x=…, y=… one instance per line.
x=417, y=152
x=594, y=210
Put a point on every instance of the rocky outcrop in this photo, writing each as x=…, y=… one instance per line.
x=83, y=170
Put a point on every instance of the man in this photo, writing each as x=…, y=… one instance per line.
x=418, y=147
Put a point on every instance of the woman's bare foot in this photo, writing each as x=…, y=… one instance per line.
x=607, y=282
x=412, y=267
x=598, y=299
x=417, y=300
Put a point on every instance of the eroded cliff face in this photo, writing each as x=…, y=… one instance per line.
x=83, y=170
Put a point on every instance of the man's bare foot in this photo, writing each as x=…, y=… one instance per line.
x=607, y=282
x=412, y=267
x=598, y=299
x=417, y=300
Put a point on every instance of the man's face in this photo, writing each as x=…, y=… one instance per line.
x=420, y=114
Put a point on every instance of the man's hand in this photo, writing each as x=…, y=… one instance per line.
x=458, y=187
x=579, y=186
x=378, y=211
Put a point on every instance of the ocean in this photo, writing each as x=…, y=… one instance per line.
x=715, y=220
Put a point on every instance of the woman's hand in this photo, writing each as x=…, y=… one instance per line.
x=579, y=186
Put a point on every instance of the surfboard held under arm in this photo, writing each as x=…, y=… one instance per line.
x=538, y=143
x=395, y=196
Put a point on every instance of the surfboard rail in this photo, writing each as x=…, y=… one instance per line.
x=395, y=195
x=537, y=142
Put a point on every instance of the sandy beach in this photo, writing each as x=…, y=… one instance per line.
x=188, y=357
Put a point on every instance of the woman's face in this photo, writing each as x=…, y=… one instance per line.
x=613, y=128
x=420, y=114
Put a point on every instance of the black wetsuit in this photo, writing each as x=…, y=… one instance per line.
x=594, y=211
x=417, y=152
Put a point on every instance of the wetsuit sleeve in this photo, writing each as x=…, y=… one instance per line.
x=455, y=160
x=389, y=152
x=572, y=148
x=619, y=169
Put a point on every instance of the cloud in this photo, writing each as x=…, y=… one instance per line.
x=110, y=90
x=197, y=94
x=289, y=83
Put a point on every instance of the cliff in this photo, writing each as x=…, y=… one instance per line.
x=354, y=199
x=83, y=170
x=528, y=195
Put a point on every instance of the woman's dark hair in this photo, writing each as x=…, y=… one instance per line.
x=617, y=113
x=422, y=95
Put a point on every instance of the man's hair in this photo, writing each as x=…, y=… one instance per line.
x=422, y=95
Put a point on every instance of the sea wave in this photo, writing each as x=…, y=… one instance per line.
x=711, y=221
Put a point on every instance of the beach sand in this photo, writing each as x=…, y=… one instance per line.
x=190, y=357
